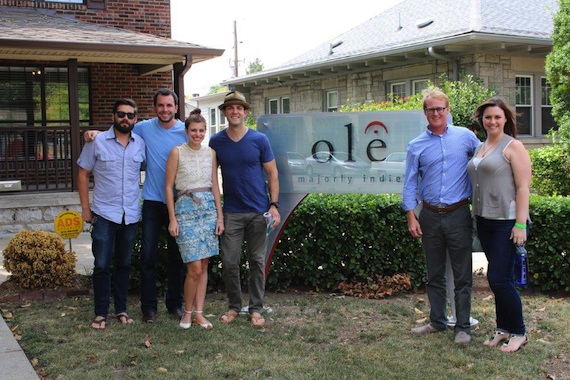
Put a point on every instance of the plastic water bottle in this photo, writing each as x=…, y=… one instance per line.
x=521, y=266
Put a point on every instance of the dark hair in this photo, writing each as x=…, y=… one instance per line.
x=165, y=92
x=195, y=117
x=124, y=102
x=511, y=126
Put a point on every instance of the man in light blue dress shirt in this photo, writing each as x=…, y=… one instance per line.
x=114, y=158
x=436, y=173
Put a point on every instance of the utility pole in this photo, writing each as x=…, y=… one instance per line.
x=235, y=50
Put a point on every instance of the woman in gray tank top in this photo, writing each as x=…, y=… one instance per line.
x=500, y=174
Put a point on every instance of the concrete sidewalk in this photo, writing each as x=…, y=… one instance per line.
x=13, y=361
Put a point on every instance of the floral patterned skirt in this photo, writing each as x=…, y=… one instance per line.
x=197, y=223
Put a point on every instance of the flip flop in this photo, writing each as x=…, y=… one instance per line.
x=515, y=343
x=230, y=316
x=99, y=323
x=257, y=320
x=124, y=318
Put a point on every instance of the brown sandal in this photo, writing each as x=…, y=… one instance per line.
x=124, y=318
x=230, y=316
x=257, y=319
x=99, y=323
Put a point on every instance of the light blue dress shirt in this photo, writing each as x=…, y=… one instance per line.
x=436, y=167
x=116, y=172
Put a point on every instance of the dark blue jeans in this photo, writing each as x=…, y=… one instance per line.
x=155, y=222
x=111, y=241
x=501, y=255
x=443, y=234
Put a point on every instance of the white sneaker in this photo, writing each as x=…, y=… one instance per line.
x=451, y=321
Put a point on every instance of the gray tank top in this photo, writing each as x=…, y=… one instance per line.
x=493, y=184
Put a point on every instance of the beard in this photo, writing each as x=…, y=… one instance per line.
x=123, y=129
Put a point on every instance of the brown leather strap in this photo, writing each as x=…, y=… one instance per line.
x=190, y=193
x=446, y=209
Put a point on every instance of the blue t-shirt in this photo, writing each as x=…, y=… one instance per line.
x=243, y=177
x=159, y=142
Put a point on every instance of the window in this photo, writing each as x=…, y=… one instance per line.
x=212, y=116
x=38, y=96
x=547, y=120
x=397, y=90
x=285, y=105
x=523, y=100
x=278, y=105
x=273, y=106
x=65, y=1
x=332, y=101
x=419, y=85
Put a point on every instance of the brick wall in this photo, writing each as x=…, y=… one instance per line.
x=145, y=16
x=112, y=81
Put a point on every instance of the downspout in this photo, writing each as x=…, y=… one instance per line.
x=179, y=72
x=431, y=52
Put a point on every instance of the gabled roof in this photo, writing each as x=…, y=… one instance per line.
x=416, y=30
x=40, y=34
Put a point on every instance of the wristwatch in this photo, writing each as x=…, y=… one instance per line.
x=276, y=204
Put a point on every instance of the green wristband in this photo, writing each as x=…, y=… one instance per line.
x=521, y=226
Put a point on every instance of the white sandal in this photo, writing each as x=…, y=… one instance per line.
x=499, y=337
x=206, y=325
x=186, y=326
x=515, y=343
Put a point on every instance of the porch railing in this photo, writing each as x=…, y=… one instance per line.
x=42, y=158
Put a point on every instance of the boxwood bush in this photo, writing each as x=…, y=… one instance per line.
x=331, y=238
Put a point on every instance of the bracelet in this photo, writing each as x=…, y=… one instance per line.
x=521, y=226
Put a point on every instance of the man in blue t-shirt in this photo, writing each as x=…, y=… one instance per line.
x=246, y=160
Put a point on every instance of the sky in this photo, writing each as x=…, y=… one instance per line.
x=273, y=32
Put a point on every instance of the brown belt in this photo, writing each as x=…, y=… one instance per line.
x=190, y=193
x=446, y=209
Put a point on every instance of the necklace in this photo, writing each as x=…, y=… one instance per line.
x=486, y=148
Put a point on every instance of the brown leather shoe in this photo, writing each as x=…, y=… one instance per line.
x=149, y=317
x=179, y=312
x=462, y=338
x=426, y=329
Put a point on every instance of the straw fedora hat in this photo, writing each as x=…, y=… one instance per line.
x=234, y=97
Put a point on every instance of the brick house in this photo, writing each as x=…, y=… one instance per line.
x=63, y=63
x=395, y=53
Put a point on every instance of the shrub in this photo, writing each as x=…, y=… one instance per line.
x=548, y=244
x=550, y=168
x=38, y=259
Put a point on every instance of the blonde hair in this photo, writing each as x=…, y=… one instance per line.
x=435, y=93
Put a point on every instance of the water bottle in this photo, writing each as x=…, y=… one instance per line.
x=521, y=266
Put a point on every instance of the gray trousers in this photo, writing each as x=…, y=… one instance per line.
x=442, y=234
x=240, y=227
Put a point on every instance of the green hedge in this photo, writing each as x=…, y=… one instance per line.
x=331, y=238
x=549, y=243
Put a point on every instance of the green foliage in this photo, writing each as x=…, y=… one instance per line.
x=550, y=168
x=216, y=89
x=39, y=259
x=332, y=238
x=548, y=243
x=254, y=67
x=397, y=104
x=557, y=68
x=464, y=97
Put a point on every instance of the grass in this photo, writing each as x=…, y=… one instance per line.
x=307, y=336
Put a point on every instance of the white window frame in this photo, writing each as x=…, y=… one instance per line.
x=418, y=85
x=331, y=106
x=545, y=90
x=397, y=90
x=527, y=102
x=282, y=103
x=65, y=1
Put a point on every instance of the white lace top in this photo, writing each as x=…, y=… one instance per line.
x=194, y=168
